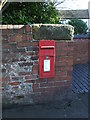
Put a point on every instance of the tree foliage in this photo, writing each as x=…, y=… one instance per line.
x=80, y=27
x=30, y=12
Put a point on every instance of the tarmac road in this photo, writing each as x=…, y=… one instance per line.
x=77, y=108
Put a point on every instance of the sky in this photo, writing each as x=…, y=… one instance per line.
x=74, y=4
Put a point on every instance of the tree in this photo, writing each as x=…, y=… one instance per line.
x=80, y=27
x=30, y=12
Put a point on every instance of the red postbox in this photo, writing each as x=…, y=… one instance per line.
x=46, y=58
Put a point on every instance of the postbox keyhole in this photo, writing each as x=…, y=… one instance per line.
x=47, y=56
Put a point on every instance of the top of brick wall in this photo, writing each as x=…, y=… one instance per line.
x=82, y=36
x=52, y=31
x=11, y=26
x=47, y=31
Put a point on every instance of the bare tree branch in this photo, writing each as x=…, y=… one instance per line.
x=3, y=2
x=56, y=3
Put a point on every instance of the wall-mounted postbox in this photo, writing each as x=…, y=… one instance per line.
x=46, y=58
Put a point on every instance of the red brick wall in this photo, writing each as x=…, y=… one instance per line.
x=81, y=50
x=20, y=69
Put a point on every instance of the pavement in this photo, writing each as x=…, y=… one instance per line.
x=77, y=108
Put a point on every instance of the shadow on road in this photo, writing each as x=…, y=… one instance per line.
x=76, y=108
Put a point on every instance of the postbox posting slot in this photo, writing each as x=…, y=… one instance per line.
x=45, y=47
